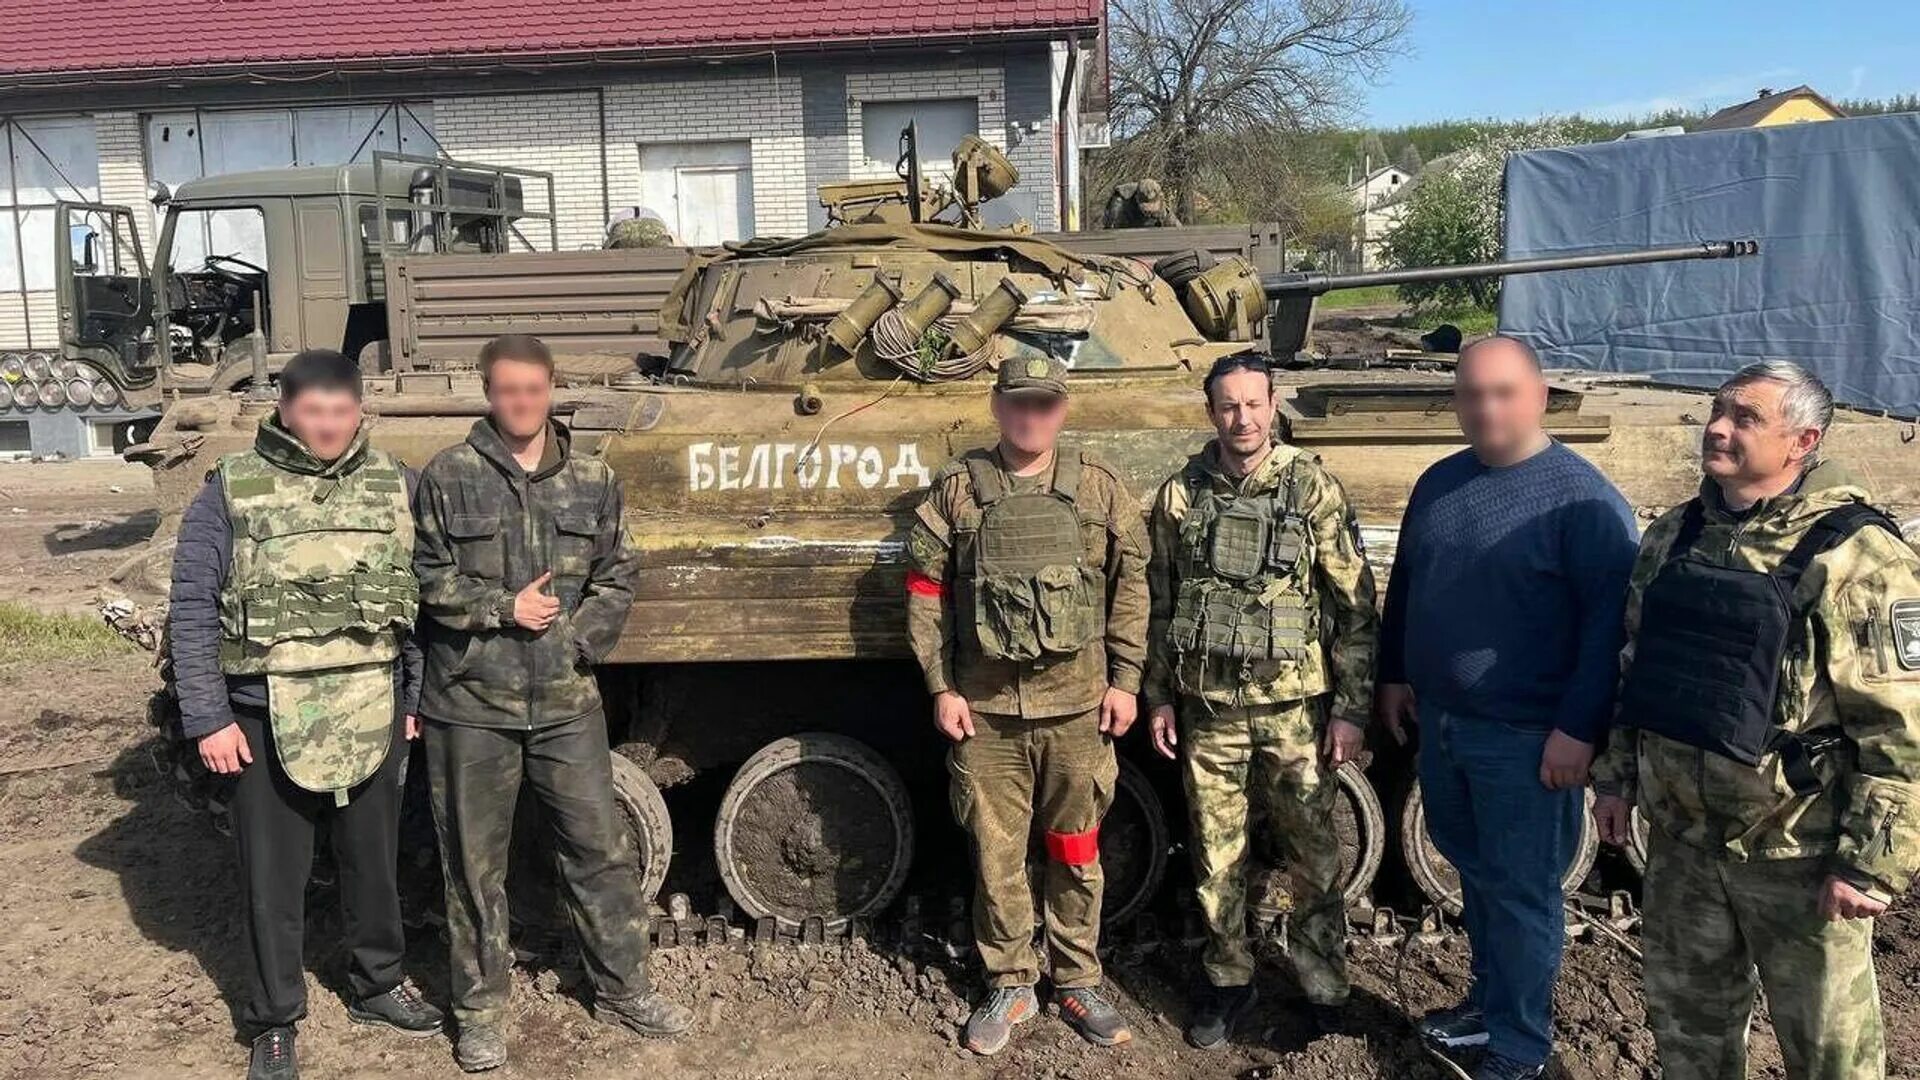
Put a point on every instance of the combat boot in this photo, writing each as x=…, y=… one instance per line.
x=1093, y=1016
x=479, y=1047
x=1216, y=1010
x=1457, y=1028
x=1328, y=1019
x=650, y=1014
x=401, y=1008
x=1496, y=1067
x=992, y=1023
x=273, y=1057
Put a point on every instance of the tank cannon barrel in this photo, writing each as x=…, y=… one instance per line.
x=1317, y=284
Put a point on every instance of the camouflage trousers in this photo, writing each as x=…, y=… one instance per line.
x=1262, y=762
x=1716, y=930
x=1015, y=776
x=476, y=774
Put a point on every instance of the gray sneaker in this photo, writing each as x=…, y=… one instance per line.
x=652, y=1014
x=479, y=1047
x=992, y=1023
x=1458, y=1028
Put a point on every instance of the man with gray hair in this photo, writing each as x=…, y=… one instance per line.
x=1769, y=732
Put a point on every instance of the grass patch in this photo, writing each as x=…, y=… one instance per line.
x=1472, y=321
x=1371, y=296
x=26, y=634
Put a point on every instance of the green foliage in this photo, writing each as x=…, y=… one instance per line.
x=1343, y=299
x=29, y=635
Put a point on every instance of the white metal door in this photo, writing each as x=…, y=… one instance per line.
x=714, y=203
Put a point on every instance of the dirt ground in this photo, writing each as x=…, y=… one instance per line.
x=121, y=948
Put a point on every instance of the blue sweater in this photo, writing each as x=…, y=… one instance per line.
x=1508, y=590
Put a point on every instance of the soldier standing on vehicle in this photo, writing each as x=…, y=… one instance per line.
x=1027, y=608
x=1262, y=609
x=525, y=581
x=1138, y=205
x=1503, y=617
x=290, y=616
x=1769, y=731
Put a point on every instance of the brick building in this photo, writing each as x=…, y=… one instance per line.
x=720, y=116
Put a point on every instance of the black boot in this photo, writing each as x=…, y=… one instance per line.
x=1216, y=1010
x=273, y=1057
x=401, y=1008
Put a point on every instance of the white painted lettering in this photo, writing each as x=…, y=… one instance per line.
x=729, y=468
x=759, y=466
x=907, y=466
x=869, y=468
x=842, y=455
x=699, y=466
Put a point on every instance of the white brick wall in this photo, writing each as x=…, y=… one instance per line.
x=123, y=170
x=553, y=133
x=755, y=107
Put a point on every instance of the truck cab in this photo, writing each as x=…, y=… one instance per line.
x=253, y=267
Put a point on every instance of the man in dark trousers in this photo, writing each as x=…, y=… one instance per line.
x=1503, y=623
x=292, y=606
x=525, y=581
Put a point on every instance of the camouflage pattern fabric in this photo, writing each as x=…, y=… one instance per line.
x=1012, y=778
x=1138, y=205
x=487, y=527
x=1269, y=753
x=475, y=775
x=639, y=232
x=1339, y=604
x=1243, y=577
x=939, y=547
x=332, y=729
x=321, y=573
x=1715, y=930
x=1862, y=683
x=1031, y=587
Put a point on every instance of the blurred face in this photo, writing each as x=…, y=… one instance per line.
x=325, y=421
x=520, y=393
x=1242, y=410
x=1499, y=398
x=1030, y=423
x=1749, y=440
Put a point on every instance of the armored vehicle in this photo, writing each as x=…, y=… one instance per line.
x=764, y=705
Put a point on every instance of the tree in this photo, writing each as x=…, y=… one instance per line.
x=1186, y=72
x=1410, y=160
x=1453, y=213
x=1373, y=152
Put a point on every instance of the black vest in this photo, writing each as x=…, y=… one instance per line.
x=1713, y=640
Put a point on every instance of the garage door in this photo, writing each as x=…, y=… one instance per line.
x=703, y=191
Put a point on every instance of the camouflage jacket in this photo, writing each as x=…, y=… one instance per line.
x=1340, y=605
x=1861, y=679
x=1112, y=529
x=487, y=527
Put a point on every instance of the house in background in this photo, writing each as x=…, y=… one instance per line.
x=1800, y=105
x=1377, y=209
x=721, y=117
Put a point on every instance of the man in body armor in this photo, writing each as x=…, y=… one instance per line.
x=1769, y=732
x=292, y=605
x=1027, y=609
x=1140, y=204
x=1263, y=609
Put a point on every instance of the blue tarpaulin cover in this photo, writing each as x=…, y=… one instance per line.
x=1836, y=286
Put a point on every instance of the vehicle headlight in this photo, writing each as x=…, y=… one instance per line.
x=25, y=396
x=105, y=394
x=6, y=395
x=13, y=366
x=39, y=366
x=79, y=391
x=52, y=394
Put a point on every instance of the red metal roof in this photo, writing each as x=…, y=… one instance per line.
x=102, y=37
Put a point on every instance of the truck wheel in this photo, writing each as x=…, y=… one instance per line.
x=644, y=813
x=814, y=824
x=1133, y=846
x=1437, y=877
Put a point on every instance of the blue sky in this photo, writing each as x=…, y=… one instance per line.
x=1512, y=59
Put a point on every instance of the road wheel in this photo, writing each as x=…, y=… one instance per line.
x=1437, y=877
x=1637, y=841
x=1133, y=846
x=814, y=824
x=1358, y=821
x=644, y=813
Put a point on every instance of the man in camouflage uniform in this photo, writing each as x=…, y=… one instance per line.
x=1027, y=609
x=1772, y=741
x=1262, y=609
x=291, y=614
x=525, y=581
x=1139, y=205
x=637, y=232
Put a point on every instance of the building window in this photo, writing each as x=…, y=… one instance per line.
x=943, y=122
x=101, y=441
x=15, y=440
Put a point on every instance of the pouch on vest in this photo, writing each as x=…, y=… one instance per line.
x=332, y=729
x=1241, y=594
x=1713, y=640
x=1032, y=591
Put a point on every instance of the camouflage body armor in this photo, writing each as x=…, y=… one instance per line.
x=1242, y=570
x=318, y=591
x=1028, y=589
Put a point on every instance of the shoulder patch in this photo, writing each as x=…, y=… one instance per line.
x=246, y=487
x=1905, y=618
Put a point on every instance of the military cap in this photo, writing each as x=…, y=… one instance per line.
x=1032, y=375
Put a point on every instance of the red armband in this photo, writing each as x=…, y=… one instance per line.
x=1074, y=848
x=919, y=584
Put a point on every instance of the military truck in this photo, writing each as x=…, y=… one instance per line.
x=763, y=703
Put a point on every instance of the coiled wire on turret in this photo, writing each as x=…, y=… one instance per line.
x=926, y=358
